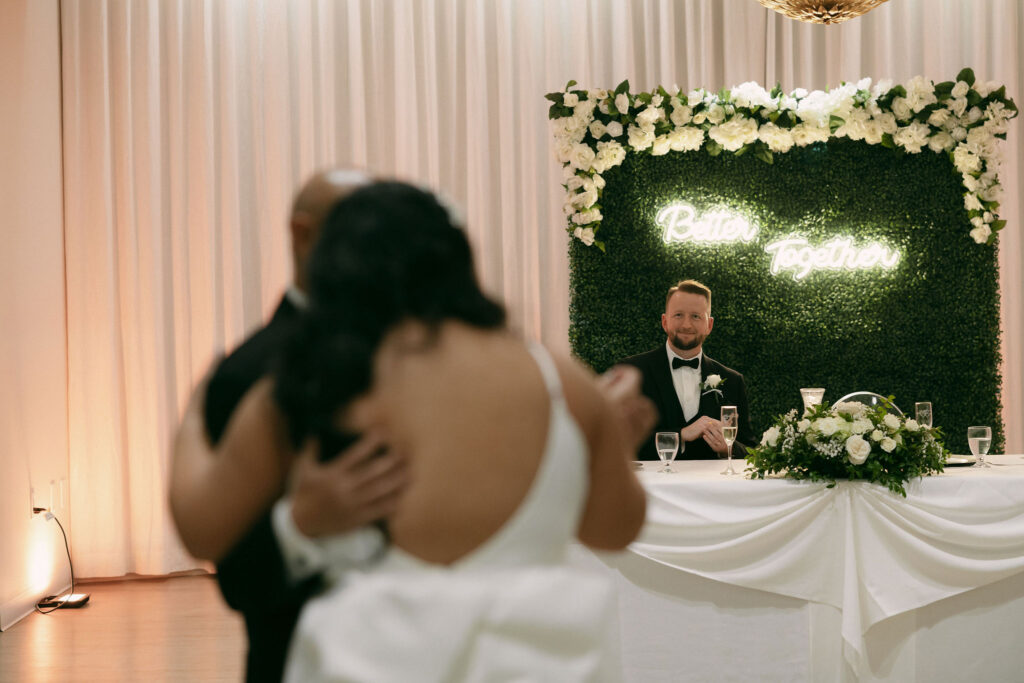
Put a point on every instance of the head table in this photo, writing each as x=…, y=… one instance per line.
x=779, y=580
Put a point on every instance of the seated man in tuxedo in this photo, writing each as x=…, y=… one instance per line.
x=687, y=387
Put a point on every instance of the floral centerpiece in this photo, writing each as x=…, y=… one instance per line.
x=848, y=441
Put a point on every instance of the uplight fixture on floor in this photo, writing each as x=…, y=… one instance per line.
x=71, y=598
x=822, y=11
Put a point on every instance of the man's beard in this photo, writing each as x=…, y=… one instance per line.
x=677, y=341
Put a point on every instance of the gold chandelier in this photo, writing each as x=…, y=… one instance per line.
x=822, y=11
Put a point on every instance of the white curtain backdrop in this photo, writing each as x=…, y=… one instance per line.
x=188, y=124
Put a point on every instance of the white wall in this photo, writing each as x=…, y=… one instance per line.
x=33, y=335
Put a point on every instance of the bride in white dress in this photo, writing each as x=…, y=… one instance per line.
x=513, y=456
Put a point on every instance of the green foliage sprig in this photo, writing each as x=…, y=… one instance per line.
x=848, y=441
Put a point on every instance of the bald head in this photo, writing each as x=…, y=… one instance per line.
x=312, y=204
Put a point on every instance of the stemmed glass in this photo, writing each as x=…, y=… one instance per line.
x=811, y=398
x=923, y=413
x=730, y=425
x=667, y=444
x=979, y=439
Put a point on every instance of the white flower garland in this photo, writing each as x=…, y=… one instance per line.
x=594, y=129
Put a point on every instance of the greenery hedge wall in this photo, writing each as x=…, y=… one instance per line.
x=926, y=330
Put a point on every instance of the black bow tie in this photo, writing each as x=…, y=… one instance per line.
x=678, y=362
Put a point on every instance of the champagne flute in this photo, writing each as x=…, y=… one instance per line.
x=730, y=425
x=667, y=444
x=979, y=439
x=923, y=413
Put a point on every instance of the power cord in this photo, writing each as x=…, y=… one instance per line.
x=49, y=516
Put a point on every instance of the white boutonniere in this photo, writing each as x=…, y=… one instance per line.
x=712, y=385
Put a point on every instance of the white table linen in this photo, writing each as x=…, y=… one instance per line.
x=857, y=547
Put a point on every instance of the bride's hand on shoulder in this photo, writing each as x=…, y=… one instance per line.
x=620, y=385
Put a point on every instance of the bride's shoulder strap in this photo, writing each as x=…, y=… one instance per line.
x=547, y=370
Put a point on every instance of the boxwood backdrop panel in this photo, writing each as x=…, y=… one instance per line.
x=927, y=329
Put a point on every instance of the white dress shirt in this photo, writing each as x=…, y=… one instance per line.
x=687, y=383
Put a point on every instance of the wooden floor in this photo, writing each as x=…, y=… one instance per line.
x=169, y=629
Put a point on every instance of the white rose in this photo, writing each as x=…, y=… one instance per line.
x=938, y=117
x=891, y=421
x=966, y=161
x=827, y=425
x=750, y=94
x=981, y=234
x=877, y=435
x=716, y=114
x=568, y=209
x=888, y=445
x=641, y=138
x=586, y=199
x=770, y=437
x=687, y=139
x=901, y=108
x=857, y=449
x=614, y=129
x=657, y=99
x=622, y=102
x=598, y=182
x=609, y=155
x=971, y=202
x=574, y=183
x=649, y=116
x=598, y=129
x=681, y=115
x=582, y=157
x=570, y=99
x=803, y=425
x=913, y=137
x=585, y=235
x=957, y=105
x=713, y=381
x=805, y=134
x=985, y=88
x=960, y=89
x=941, y=142
x=695, y=97
x=861, y=425
x=699, y=118
x=604, y=108
x=661, y=146
x=778, y=139
x=734, y=133
x=959, y=133
x=597, y=94
x=912, y=425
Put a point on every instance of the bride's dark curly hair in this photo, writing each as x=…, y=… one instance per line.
x=387, y=253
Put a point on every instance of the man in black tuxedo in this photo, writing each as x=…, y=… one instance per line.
x=276, y=566
x=687, y=387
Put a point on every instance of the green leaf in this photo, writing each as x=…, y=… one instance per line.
x=742, y=150
x=835, y=123
x=966, y=75
x=554, y=97
x=764, y=154
x=973, y=97
x=644, y=97
x=999, y=224
x=944, y=88
x=622, y=87
x=570, y=84
x=714, y=149
x=887, y=141
x=600, y=245
x=724, y=95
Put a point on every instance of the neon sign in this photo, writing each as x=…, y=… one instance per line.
x=681, y=225
x=794, y=253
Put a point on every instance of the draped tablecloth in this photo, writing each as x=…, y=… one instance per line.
x=865, y=551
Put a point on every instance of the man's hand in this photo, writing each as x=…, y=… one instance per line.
x=621, y=386
x=360, y=486
x=707, y=428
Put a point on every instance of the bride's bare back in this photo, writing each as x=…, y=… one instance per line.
x=470, y=409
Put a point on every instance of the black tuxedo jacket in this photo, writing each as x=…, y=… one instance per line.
x=253, y=577
x=657, y=386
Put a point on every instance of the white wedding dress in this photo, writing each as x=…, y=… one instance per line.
x=511, y=610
